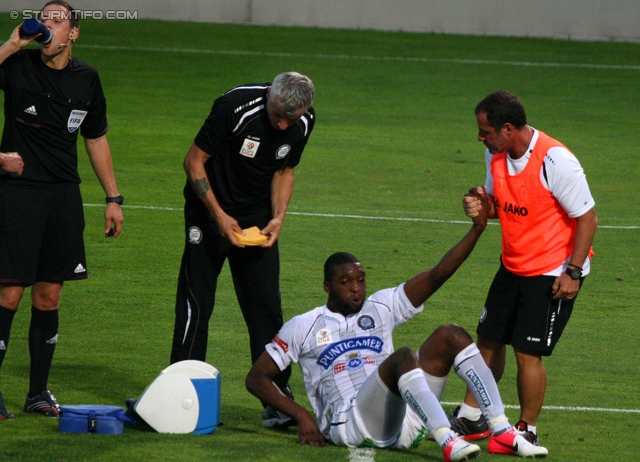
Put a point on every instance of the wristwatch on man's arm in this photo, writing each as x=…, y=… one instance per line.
x=119, y=199
x=574, y=272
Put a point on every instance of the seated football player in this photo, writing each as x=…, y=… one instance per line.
x=362, y=391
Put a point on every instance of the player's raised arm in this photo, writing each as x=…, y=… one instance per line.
x=471, y=203
x=419, y=288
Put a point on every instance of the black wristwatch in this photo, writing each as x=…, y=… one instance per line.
x=574, y=273
x=119, y=199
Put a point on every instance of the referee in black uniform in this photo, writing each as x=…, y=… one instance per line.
x=240, y=174
x=49, y=98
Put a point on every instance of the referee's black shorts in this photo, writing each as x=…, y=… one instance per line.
x=520, y=311
x=41, y=231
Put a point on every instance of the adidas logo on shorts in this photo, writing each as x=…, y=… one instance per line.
x=80, y=269
x=31, y=110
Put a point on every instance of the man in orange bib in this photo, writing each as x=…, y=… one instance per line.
x=539, y=193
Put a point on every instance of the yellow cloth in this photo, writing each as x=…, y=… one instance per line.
x=252, y=237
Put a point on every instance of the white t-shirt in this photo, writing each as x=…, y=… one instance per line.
x=565, y=179
x=336, y=354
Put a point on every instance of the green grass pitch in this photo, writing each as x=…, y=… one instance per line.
x=395, y=142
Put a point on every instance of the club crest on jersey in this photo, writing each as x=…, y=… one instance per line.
x=195, y=235
x=282, y=151
x=323, y=337
x=75, y=120
x=249, y=148
x=366, y=322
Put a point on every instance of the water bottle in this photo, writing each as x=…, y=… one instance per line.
x=32, y=27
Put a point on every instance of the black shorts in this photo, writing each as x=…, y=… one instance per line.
x=41, y=234
x=520, y=311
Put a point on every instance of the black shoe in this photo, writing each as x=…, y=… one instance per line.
x=272, y=418
x=470, y=430
x=44, y=403
x=4, y=414
x=522, y=427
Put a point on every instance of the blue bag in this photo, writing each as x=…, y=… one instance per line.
x=93, y=418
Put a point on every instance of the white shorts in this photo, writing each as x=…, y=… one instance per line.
x=389, y=423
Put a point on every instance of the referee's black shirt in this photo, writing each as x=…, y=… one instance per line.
x=44, y=109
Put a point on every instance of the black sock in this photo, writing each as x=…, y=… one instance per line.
x=43, y=336
x=6, y=318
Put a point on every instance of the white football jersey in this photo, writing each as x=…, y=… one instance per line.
x=336, y=354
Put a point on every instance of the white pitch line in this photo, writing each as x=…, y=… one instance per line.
x=566, y=408
x=366, y=217
x=336, y=215
x=362, y=58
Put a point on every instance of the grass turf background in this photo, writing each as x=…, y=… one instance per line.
x=395, y=138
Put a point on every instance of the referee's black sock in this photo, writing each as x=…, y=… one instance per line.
x=6, y=318
x=43, y=336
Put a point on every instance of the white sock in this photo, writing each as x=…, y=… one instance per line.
x=415, y=390
x=533, y=429
x=471, y=368
x=468, y=412
x=436, y=384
